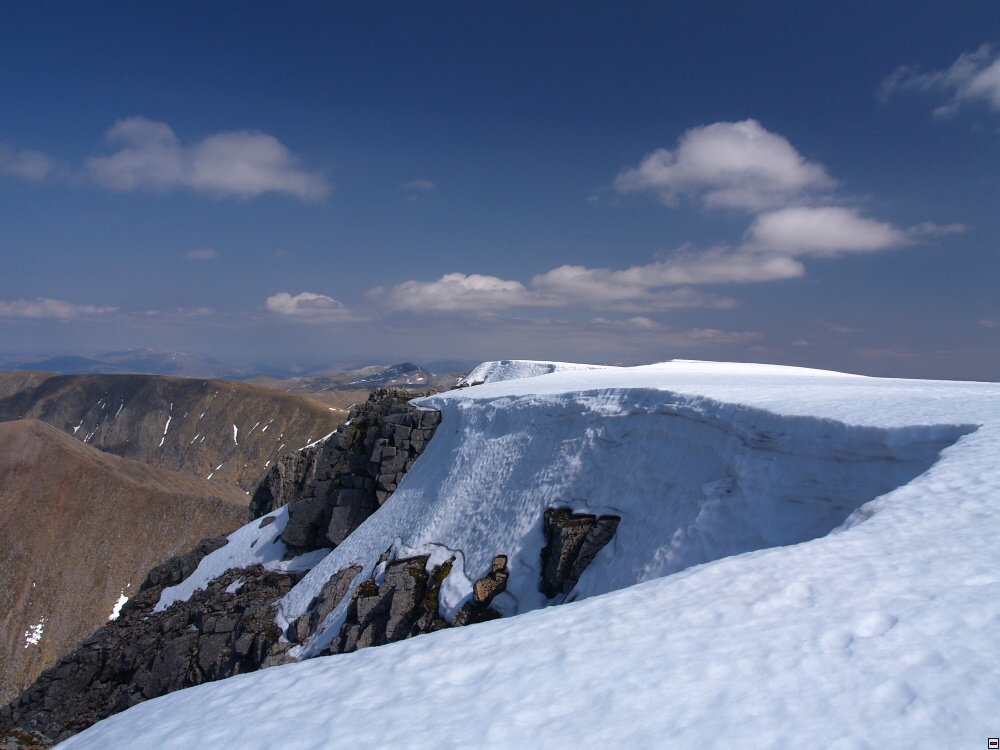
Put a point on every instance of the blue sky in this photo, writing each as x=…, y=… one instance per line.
x=776, y=182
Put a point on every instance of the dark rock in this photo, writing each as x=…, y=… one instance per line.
x=484, y=591
x=383, y=613
x=15, y=739
x=143, y=654
x=333, y=487
x=329, y=597
x=572, y=542
x=176, y=569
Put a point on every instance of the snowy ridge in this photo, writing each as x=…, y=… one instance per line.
x=723, y=612
x=515, y=369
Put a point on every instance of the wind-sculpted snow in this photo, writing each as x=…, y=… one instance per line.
x=515, y=369
x=722, y=613
x=693, y=480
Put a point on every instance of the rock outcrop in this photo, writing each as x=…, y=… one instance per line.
x=572, y=542
x=224, y=630
x=400, y=602
x=331, y=488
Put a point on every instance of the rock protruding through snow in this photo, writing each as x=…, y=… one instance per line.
x=572, y=542
x=331, y=488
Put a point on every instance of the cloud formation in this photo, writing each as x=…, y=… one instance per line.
x=203, y=253
x=974, y=76
x=641, y=288
x=242, y=164
x=307, y=306
x=43, y=308
x=33, y=166
x=822, y=231
x=725, y=164
x=728, y=165
x=453, y=291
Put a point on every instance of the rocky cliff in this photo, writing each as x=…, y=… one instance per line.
x=216, y=429
x=233, y=622
x=337, y=484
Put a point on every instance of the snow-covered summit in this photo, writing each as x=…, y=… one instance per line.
x=723, y=611
x=515, y=369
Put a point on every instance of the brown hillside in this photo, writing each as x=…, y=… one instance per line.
x=78, y=527
x=231, y=432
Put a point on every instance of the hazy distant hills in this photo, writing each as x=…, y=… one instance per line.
x=78, y=527
x=346, y=388
x=216, y=429
x=132, y=361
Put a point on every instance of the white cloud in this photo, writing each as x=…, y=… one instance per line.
x=822, y=231
x=974, y=76
x=307, y=306
x=33, y=166
x=728, y=164
x=663, y=285
x=453, y=291
x=203, y=253
x=243, y=163
x=43, y=308
x=720, y=265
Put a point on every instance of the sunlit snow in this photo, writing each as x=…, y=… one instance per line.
x=805, y=559
x=33, y=635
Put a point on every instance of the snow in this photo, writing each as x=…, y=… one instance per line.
x=314, y=443
x=512, y=369
x=118, y=606
x=805, y=559
x=235, y=434
x=249, y=545
x=166, y=427
x=33, y=635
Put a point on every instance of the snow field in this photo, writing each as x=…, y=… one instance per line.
x=882, y=634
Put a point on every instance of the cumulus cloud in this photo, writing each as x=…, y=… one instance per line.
x=203, y=253
x=728, y=164
x=307, y=306
x=241, y=164
x=43, y=308
x=33, y=166
x=663, y=285
x=687, y=266
x=822, y=231
x=974, y=76
x=453, y=291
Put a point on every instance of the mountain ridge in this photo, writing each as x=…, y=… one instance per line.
x=77, y=527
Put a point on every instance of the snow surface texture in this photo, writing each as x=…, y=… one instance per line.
x=883, y=634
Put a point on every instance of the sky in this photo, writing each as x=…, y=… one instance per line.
x=303, y=184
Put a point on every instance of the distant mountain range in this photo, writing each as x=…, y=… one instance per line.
x=132, y=361
x=195, y=365
x=343, y=389
x=216, y=429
